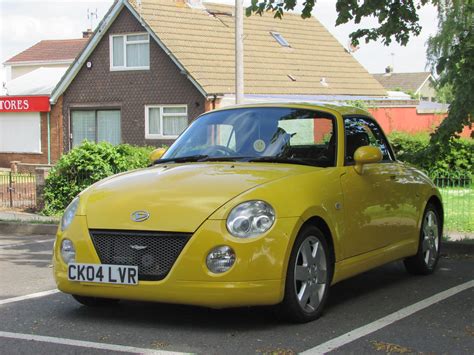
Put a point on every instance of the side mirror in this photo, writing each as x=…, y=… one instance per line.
x=156, y=154
x=366, y=155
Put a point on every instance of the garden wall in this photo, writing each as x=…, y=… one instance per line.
x=407, y=119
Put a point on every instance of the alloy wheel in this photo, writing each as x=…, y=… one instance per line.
x=430, y=245
x=310, y=274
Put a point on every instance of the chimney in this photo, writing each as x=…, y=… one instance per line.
x=388, y=70
x=87, y=33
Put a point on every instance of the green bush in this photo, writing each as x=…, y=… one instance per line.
x=85, y=165
x=455, y=159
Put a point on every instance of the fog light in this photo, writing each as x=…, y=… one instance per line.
x=220, y=259
x=68, y=253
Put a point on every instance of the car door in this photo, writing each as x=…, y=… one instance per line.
x=371, y=199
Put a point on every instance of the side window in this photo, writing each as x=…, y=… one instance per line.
x=361, y=131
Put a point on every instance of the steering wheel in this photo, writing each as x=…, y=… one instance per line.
x=220, y=148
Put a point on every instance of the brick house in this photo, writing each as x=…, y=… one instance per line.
x=31, y=128
x=152, y=66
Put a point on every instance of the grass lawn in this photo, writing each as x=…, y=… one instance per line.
x=458, y=208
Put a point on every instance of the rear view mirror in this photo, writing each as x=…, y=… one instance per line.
x=366, y=155
x=156, y=154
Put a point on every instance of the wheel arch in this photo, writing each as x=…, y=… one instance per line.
x=315, y=219
x=436, y=201
x=320, y=223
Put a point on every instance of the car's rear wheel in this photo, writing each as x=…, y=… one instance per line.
x=308, y=276
x=95, y=301
x=426, y=259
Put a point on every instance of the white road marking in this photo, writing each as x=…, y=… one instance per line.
x=27, y=297
x=26, y=243
x=85, y=344
x=387, y=320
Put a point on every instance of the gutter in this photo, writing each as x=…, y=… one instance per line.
x=38, y=62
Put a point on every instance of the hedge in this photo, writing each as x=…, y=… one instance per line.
x=456, y=159
x=85, y=165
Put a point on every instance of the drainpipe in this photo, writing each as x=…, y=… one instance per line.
x=49, y=138
x=214, y=102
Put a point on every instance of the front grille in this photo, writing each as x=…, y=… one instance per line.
x=153, y=252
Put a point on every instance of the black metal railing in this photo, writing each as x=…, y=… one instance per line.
x=17, y=190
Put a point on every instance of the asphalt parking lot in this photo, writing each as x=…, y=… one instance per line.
x=382, y=311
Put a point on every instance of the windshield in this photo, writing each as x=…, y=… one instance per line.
x=271, y=134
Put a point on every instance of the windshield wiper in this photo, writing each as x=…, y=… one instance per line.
x=281, y=160
x=190, y=158
x=224, y=158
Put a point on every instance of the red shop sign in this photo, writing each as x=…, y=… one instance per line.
x=24, y=104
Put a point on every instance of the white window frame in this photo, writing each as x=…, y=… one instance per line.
x=160, y=135
x=125, y=42
x=280, y=39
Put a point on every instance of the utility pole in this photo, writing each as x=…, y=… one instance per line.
x=239, y=51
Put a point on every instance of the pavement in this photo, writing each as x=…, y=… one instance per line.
x=19, y=216
x=381, y=311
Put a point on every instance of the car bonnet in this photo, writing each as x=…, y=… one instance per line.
x=176, y=197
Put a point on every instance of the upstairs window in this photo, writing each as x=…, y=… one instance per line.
x=129, y=52
x=280, y=39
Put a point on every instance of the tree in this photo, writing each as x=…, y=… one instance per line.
x=444, y=94
x=450, y=52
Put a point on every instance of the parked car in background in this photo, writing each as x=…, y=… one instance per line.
x=252, y=205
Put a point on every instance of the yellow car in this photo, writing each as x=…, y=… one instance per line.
x=252, y=205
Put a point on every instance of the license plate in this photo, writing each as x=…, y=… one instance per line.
x=102, y=273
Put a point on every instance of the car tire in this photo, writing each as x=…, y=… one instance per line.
x=308, y=277
x=426, y=259
x=95, y=301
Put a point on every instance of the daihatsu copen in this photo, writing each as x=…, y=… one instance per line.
x=251, y=205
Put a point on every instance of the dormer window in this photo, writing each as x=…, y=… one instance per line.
x=280, y=39
x=130, y=52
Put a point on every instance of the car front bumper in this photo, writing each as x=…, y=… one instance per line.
x=256, y=278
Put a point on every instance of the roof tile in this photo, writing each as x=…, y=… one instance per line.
x=203, y=42
x=403, y=81
x=50, y=50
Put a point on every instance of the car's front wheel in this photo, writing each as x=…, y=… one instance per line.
x=95, y=301
x=426, y=259
x=308, y=276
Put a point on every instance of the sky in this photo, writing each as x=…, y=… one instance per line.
x=25, y=22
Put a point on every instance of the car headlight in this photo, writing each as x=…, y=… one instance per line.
x=250, y=219
x=68, y=253
x=69, y=214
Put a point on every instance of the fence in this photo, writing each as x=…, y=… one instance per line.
x=458, y=202
x=17, y=190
